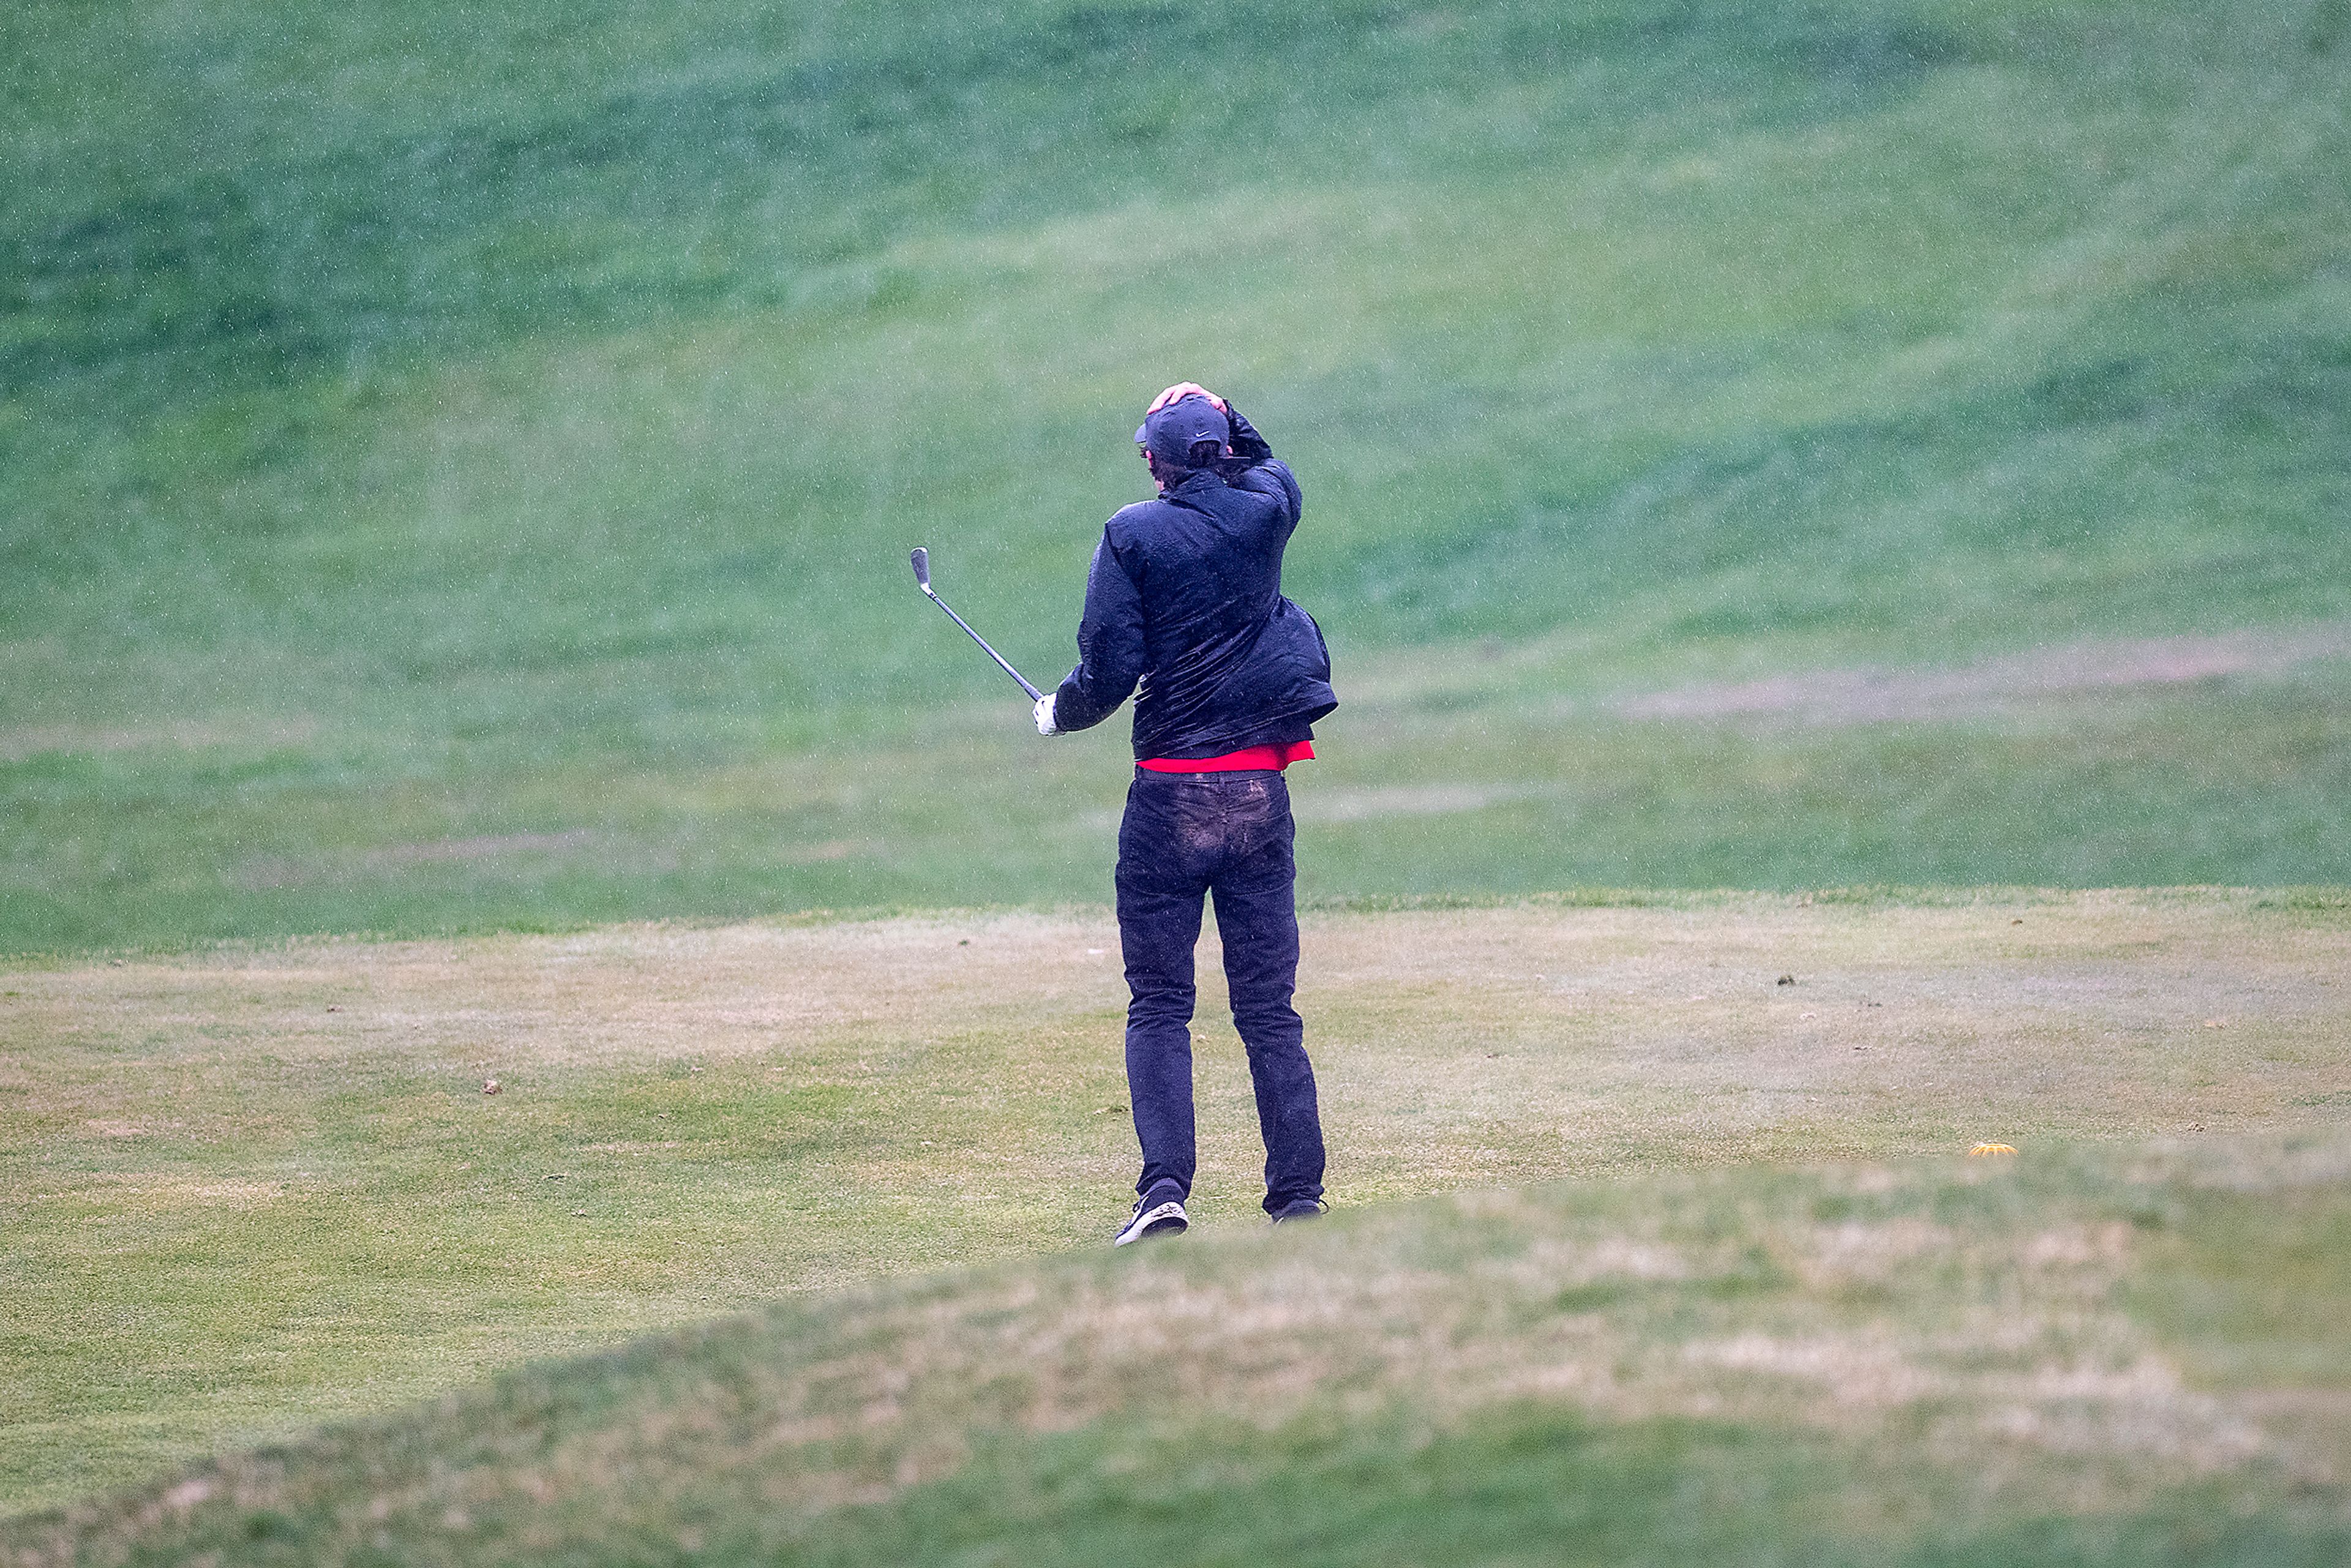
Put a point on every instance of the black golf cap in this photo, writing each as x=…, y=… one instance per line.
x=1168, y=435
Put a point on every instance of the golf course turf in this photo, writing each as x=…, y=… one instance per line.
x=551, y=1010
x=263, y=1186
x=462, y=462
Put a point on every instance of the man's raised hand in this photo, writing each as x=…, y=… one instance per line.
x=1178, y=392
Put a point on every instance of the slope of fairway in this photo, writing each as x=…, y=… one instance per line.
x=2130, y=1357
x=258, y=1187
x=460, y=461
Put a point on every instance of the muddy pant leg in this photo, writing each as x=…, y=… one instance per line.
x=1158, y=927
x=1257, y=916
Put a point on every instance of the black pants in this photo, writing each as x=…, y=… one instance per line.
x=1227, y=835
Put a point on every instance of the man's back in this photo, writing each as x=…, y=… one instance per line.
x=1206, y=553
x=1184, y=598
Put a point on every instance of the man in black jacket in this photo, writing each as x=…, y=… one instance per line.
x=1184, y=598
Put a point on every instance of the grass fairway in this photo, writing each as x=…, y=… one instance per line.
x=260, y=1186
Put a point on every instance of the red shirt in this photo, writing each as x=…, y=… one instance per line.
x=1250, y=758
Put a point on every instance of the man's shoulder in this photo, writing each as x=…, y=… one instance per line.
x=1131, y=524
x=1138, y=511
x=1271, y=478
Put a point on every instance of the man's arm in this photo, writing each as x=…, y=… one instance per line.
x=1110, y=646
x=1247, y=447
x=1253, y=466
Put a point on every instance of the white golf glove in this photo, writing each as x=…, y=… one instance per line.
x=1045, y=715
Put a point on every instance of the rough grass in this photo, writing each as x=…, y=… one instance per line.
x=2059, y=1359
x=258, y=1186
x=460, y=465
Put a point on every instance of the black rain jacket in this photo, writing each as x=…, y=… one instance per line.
x=1184, y=598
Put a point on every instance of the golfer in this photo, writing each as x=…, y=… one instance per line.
x=1184, y=598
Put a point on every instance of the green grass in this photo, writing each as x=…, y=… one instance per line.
x=259, y=1187
x=1920, y=1363
x=460, y=465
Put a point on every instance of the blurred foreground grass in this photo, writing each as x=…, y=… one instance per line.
x=2124, y=1356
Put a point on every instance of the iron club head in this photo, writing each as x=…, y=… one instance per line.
x=922, y=559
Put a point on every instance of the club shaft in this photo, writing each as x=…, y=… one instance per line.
x=1002, y=663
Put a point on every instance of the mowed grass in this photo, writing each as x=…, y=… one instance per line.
x=2123, y=1356
x=257, y=1187
x=461, y=465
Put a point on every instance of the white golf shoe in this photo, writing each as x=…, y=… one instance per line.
x=1163, y=1218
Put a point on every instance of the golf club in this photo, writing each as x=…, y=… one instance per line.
x=922, y=559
